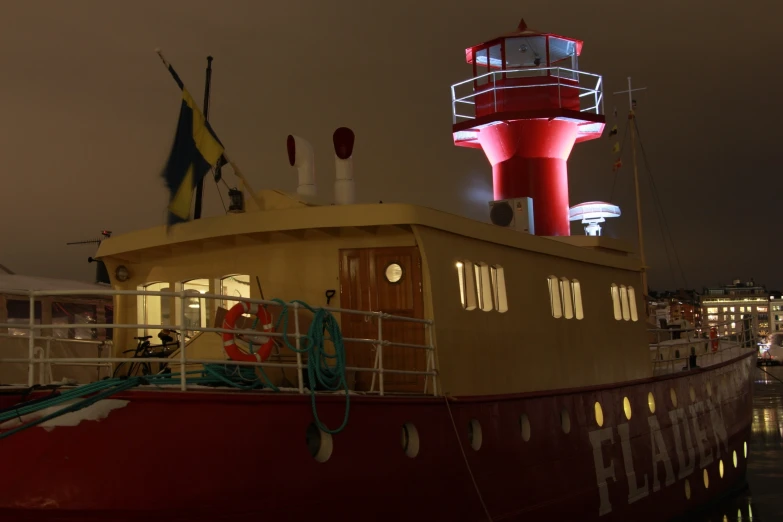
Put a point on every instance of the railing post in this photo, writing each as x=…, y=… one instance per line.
x=183, y=384
x=298, y=353
x=31, y=342
x=380, y=353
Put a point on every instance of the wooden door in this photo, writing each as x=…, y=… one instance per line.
x=386, y=280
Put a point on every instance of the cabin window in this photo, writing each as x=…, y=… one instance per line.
x=19, y=313
x=554, y=297
x=566, y=298
x=616, y=302
x=467, y=285
x=632, y=303
x=152, y=309
x=234, y=285
x=576, y=292
x=499, y=288
x=483, y=287
x=196, y=311
x=624, y=302
x=74, y=314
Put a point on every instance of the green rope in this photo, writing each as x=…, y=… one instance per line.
x=330, y=377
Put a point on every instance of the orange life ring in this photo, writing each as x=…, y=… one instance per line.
x=229, y=339
x=714, y=337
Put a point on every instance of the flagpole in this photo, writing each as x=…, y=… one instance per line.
x=234, y=166
x=632, y=117
x=200, y=186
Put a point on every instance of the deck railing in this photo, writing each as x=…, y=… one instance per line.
x=462, y=102
x=38, y=354
x=672, y=348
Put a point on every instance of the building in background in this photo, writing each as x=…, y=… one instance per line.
x=674, y=307
x=775, y=313
x=724, y=307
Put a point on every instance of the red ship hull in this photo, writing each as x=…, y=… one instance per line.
x=212, y=455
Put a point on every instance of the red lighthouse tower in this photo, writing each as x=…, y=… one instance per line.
x=525, y=107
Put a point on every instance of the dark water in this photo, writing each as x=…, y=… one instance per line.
x=763, y=499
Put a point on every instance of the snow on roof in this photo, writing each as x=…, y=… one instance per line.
x=15, y=282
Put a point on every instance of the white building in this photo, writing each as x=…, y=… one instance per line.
x=728, y=305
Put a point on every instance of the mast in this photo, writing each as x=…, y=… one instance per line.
x=200, y=186
x=632, y=121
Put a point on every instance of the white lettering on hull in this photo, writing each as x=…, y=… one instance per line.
x=602, y=473
x=706, y=414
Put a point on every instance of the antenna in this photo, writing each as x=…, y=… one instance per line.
x=97, y=241
x=632, y=117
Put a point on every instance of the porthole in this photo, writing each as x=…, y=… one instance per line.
x=524, y=425
x=599, y=414
x=319, y=443
x=410, y=440
x=394, y=272
x=706, y=479
x=687, y=489
x=474, y=434
x=627, y=408
x=693, y=394
x=565, y=421
x=734, y=458
x=720, y=468
x=673, y=396
x=651, y=402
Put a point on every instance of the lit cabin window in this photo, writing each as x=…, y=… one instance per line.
x=624, y=303
x=499, y=288
x=632, y=303
x=566, y=299
x=153, y=310
x=234, y=285
x=616, y=302
x=467, y=285
x=576, y=291
x=554, y=297
x=196, y=311
x=483, y=287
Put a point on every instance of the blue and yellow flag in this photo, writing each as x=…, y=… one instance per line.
x=195, y=151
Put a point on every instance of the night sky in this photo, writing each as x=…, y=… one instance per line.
x=89, y=113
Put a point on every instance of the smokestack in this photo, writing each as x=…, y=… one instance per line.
x=343, y=139
x=300, y=155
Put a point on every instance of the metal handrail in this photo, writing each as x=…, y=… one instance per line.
x=378, y=370
x=492, y=77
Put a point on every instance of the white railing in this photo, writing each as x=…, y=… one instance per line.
x=463, y=102
x=673, y=347
x=35, y=355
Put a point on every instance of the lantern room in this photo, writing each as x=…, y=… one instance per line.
x=545, y=64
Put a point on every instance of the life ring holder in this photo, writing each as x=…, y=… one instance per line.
x=229, y=338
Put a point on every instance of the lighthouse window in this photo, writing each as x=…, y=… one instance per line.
x=499, y=288
x=235, y=286
x=624, y=302
x=554, y=297
x=632, y=303
x=576, y=292
x=467, y=285
x=196, y=311
x=616, y=302
x=565, y=296
x=483, y=286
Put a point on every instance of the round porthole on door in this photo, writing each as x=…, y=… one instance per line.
x=393, y=272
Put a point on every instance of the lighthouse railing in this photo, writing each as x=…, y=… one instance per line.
x=588, y=85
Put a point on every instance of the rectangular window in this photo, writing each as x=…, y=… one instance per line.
x=624, y=303
x=154, y=310
x=554, y=297
x=566, y=298
x=616, y=302
x=576, y=290
x=632, y=304
x=467, y=285
x=483, y=287
x=499, y=288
